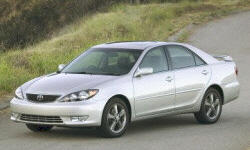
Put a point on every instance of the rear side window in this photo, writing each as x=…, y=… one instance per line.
x=180, y=57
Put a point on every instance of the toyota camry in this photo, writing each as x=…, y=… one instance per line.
x=113, y=84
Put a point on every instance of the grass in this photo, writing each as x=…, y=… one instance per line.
x=183, y=37
x=155, y=21
x=20, y=20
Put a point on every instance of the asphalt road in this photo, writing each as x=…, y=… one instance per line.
x=231, y=36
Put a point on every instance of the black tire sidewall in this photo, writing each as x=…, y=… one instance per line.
x=105, y=130
x=201, y=115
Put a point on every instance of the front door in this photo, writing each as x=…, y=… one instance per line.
x=154, y=93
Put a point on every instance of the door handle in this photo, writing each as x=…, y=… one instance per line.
x=169, y=79
x=205, y=72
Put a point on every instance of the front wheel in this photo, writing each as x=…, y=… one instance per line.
x=211, y=107
x=115, y=118
x=39, y=128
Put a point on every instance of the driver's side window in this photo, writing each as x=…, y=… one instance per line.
x=156, y=59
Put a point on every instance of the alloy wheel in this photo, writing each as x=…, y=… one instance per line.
x=116, y=118
x=212, y=105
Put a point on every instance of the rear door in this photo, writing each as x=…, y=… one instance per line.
x=191, y=75
x=154, y=93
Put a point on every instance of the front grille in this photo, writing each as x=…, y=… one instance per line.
x=41, y=98
x=44, y=119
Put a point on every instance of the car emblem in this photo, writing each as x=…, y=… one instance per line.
x=39, y=97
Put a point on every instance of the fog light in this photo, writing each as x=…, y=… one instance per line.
x=79, y=118
x=14, y=116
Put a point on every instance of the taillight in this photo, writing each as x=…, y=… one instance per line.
x=236, y=71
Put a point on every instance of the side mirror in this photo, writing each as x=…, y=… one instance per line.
x=60, y=67
x=143, y=71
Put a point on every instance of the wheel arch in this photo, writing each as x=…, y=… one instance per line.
x=219, y=89
x=126, y=101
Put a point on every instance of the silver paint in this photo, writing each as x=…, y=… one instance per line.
x=152, y=95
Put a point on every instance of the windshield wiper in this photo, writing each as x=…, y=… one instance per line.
x=107, y=73
x=78, y=72
x=92, y=73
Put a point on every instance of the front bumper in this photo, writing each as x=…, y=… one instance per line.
x=84, y=113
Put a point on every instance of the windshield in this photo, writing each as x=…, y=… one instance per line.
x=104, y=62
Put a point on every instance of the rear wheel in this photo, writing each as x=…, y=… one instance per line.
x=115, y=118
x=211, y=107
x=39, y=128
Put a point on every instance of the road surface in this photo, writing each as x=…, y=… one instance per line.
x=231, y=36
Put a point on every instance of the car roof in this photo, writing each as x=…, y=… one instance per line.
x=142, y=45
x=146, y=45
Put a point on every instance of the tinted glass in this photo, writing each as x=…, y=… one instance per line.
x=104, y=61
x=198, y=61
x=155, y=59
x=180, y=57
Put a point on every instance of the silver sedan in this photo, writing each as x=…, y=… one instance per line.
x=113, y=84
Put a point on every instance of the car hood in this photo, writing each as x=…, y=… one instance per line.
x=66, y=83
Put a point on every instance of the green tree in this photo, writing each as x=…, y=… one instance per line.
x=135, y=1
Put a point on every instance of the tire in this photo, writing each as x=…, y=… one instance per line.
x=211, y=107
x=39, y=128
x=115, y=119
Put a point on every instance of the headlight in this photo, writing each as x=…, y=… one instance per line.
x=19, y=93
x=79, y=96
